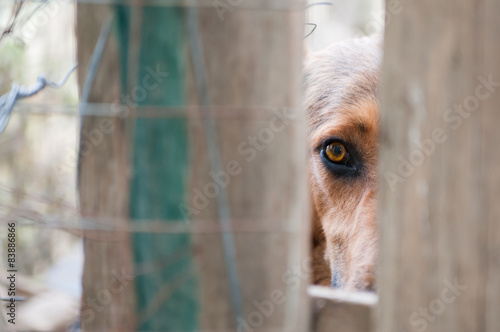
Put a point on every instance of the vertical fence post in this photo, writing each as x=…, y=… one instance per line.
x=246, y=75
x=439, y=177
x=227, y=116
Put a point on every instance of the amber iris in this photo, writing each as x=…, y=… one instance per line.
x=336, y=152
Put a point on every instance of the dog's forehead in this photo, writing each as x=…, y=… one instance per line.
x=342, y=86
x=357, y=121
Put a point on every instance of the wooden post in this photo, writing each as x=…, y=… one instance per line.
x=223, y=120
x=439, y=178
x=252, y=67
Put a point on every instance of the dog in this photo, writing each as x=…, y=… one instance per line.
x=341, y=101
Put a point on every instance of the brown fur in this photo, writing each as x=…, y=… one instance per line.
x=341, y=101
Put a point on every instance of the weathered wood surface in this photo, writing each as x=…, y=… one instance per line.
x=439, y=178
x=108, y=300
x=252, y=61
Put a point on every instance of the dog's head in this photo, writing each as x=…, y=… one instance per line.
x=341, y=101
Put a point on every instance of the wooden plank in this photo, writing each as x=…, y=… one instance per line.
x=108, y=299
x=337, y=311
x=252, y=61
x=439, y=178
x=267, y=188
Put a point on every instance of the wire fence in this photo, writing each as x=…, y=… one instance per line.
x=270, y=126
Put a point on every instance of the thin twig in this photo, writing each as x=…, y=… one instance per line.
x=13, y=19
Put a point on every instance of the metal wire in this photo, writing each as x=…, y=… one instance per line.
x=214, y=158
x=254, y=4
x=8, y=100
x=222, y=112
x=94, y=61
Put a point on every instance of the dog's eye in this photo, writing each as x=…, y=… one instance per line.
x=340, y=158
x=336, y=153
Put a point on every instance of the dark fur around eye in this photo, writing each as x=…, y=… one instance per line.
x=348, y=169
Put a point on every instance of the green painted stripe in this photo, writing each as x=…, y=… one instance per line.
x=123, y=28
x=160, y=177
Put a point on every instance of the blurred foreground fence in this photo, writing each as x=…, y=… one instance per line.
x=439, y=178
x=192, y=166
x=192, y=172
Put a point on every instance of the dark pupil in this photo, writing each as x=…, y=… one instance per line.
x=337, y=150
